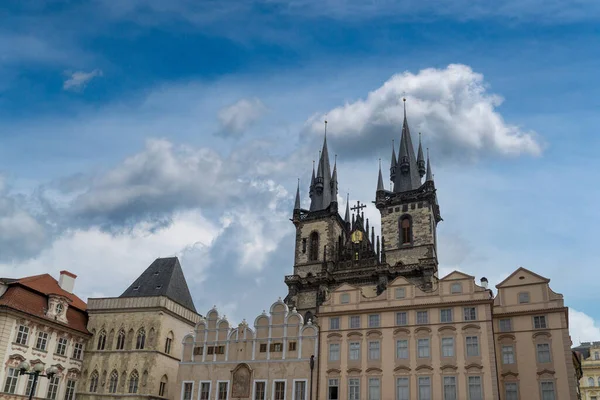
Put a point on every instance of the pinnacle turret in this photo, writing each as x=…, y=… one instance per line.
x=347, y=215
x=297, y=202
x=394, y=163
x=429, y=176
x=420, y=159
x=380, y=179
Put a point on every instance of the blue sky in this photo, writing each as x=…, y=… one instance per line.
x=133, y=130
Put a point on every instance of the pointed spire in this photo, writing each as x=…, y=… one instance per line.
x=394, y=163
x=367, y=228
x=334, y=181
x=429, y=176
x=312, y=192
x=297, y=203
x=380, y=179
x=372, y=236
x=420, y=159
x=347, y=216
x=407, y=174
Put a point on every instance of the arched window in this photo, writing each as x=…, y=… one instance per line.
x=405, y=230
x=101, y=340
x=168, y=343
x=162, y=389
x=313, y=254
x=121, y=340
x=141, y=339
x=94, y=382
x=590, y=381
x=114, y=382
x=134, y=379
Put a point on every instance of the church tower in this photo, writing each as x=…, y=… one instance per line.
x=410, y=212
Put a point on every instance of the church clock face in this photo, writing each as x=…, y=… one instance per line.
x=356, y=237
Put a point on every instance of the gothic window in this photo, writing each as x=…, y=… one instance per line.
x=94, y=382
x=405, y=230
x=133, y=382
x=141, y=339
x=313, y=254
x=162, y=389
x=114, y=381
x=101, y=340
x=168, y=343
x=121, y=340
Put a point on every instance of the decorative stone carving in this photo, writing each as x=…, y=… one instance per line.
x=241, y=377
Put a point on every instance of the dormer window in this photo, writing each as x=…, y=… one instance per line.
x=156, y=273
x=158, y=286
x=59, y=308
x=136, y=288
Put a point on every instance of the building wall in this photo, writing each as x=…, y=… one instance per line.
x=160, y=318
x=348, y=301
x=590, y=381
x=529, y=370
x=12, y=353
x=277, y=348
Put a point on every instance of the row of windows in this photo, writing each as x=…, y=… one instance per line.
x=132, y=382
x=12, y=381
x=41, y=342
x=591, y=382
x=423, y=348
x=140, y=342
x=259, y=390
x=422, y=317
x=543, y=353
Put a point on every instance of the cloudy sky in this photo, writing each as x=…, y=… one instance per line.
x=143, y=129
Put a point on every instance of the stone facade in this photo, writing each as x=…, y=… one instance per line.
x=136, y=347
x=270, y=360
x=590, y=364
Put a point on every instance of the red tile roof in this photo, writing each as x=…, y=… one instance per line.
x=30, y=295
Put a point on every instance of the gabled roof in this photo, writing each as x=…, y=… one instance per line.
x=512, y=281
x=47, y=285
x=455, y=275
x=164, y=277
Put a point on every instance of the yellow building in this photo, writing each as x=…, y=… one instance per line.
x=270, y=360
x=590, y=365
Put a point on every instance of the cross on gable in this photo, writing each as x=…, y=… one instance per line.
x=358, y=206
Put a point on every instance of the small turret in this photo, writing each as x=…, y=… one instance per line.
x=380, y=179
x=297, y=202
x=393, y=163
x=429, y=176
x=347, y=215
x=420, y=159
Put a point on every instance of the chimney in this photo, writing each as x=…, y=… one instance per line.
x=67, y=281
x=484, y=282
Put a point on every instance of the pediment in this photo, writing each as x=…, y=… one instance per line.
x=446, y=328
x=522, y=276
x=448, y=366
x=353, y=371
x=374, y=370
x=345, y=287
x=424, y=366
x=399, y=281
x=457, y=276
x=402, y=330
x=402, y=368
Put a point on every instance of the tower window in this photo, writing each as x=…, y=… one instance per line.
x=314, y=247
x=405, y=230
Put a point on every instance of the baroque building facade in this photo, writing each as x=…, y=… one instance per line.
x=41, y=322
x=137, y=337
x=271, y=359
x=590, y=365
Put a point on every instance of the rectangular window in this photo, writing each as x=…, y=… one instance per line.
x=22, y=335
x=446, y=315
x=70, y=390
x=402, y=349
x=345, y=298
x=42, y=341
x=161, y=388
x=223, y=390
x=450, y=388
x=211, y=349
x=333, y=389
x=77, y=351
x=300, y=390
x=424, y=388
x=374, y=321
x=198, y=350
x=52, y=387
x=511, y=391
x=539, y=322
x=334, y=323
x=472, y=346
x=448, y=347
x=30, y=386
x=470, y=313
x=188, y=388
x=374, y=389
x=508, y=355
x=543, y=353
x=61, y=347
x=334, y=351
x=354, y=350
x=505, y=325
x=12, y=377
x=279, y=389
x=353, y=389
x=276, y=347
x=523, y=298
x=400, y=293
x=205, y=390
x=263, y=348
x=401, y=319
x=355, y=322
x=374, y=350
x=422, y=317
x=291, y=346
x=402, y=388
x=475, y=392
x=423, y=348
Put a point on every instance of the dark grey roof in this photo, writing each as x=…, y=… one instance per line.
x=164, y=277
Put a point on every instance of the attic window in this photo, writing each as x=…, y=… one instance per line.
x=159, y=286
x=136, y=288
x=156, y=273
x=521, y=277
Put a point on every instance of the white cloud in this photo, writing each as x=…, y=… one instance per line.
x=238, y=117
x=78, y=80
x=582, y=327
x=450, y=106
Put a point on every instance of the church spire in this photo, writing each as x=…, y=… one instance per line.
x=429, y=176
x=393, y=163
x=334, y=181
x=407, y=177
x=297, y=202
x=420, y=159
x=380, y=179
x=347, y=215
x=323, y=186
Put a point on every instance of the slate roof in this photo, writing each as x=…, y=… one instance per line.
x=164, y=277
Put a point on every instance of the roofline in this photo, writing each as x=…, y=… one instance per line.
x=46, y=321
x=458, y=272
x=52, y=294
x=141, y=297
x=519, y=270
